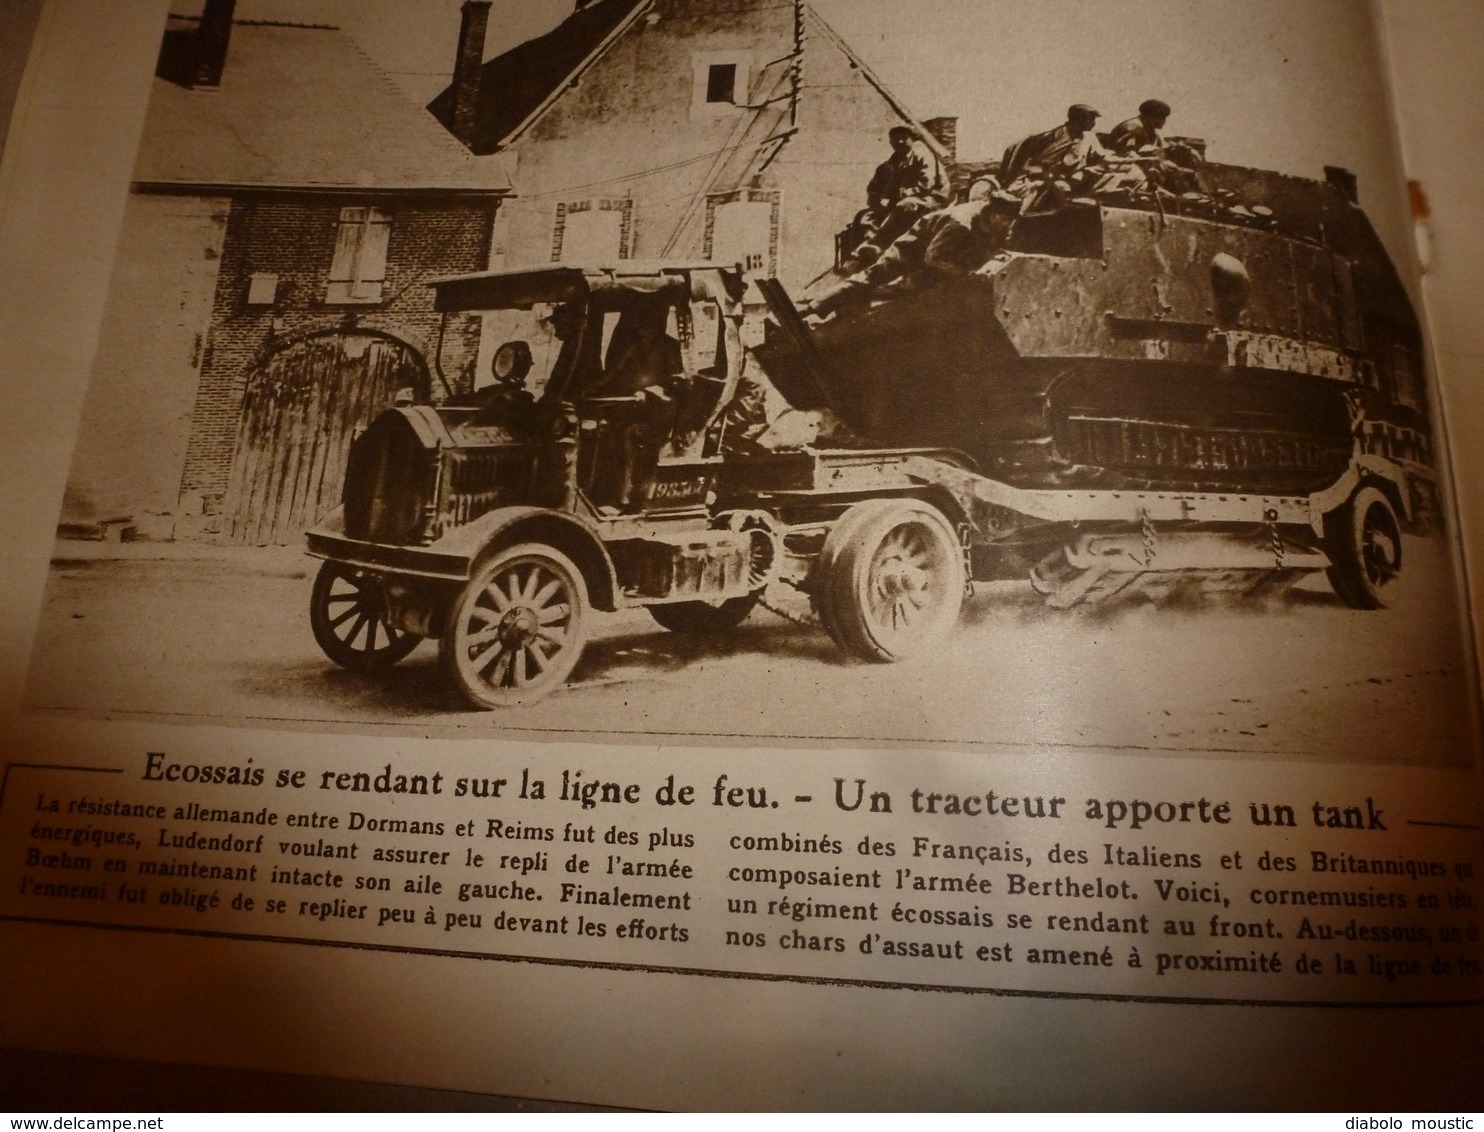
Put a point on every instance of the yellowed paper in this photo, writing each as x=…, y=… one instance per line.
x=1182, y=847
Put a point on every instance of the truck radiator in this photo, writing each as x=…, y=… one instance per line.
x=408, y=483
x=476, y=480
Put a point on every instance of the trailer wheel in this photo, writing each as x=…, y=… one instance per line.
x=702, y=618
x=891, y=579
x=1364, y=542
x=348, y=614
x=517, y=629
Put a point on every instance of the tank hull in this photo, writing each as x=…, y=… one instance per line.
x=1118, y=348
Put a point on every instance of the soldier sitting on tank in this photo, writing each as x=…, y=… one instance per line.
x=951, y=241
x=1063, y=150
x=1140, y=134
x=907, y=185
x=1159, y=165
x=1048, y=170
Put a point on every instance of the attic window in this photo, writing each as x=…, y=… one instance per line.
x=359, y=268
x=720, y=85
x=721, y=82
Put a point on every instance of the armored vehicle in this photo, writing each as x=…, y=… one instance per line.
x=1190, y=345
x=1246, y=347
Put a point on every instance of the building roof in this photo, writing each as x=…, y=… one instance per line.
x=300, y=107
x=515, y=85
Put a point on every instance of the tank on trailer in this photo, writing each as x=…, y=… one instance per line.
x=1255, y=337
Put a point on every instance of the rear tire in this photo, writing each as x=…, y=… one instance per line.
x=891, y=579
x=1364, y=542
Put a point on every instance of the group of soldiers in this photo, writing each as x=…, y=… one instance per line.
x=911, y=226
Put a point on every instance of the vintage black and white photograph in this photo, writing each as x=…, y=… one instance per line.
x=836, y=371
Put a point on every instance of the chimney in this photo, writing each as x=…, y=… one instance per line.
x=946, y=131
x=1345, y=181
x=468, y=69
x=213, y=35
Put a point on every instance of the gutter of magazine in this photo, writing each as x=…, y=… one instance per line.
x=795, y=557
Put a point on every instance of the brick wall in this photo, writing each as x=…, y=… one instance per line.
x=293, y=236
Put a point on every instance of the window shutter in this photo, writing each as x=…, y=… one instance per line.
x=358, y=269
x=371, y=263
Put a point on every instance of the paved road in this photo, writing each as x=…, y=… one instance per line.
x=227, y=636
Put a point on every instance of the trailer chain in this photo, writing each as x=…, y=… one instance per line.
x=810, y=622
x=1146, y=533
x=965, y=535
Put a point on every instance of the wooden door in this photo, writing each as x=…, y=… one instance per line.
x=299, y=412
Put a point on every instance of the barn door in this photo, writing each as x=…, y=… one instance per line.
x=299, y=412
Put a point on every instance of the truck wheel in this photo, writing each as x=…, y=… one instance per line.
x=892, y=579
x=702, y=618
x=516, y=630
x=348, y=614
x=1364, y=542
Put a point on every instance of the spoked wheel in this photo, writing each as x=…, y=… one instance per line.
x=517, y=628
x=702, y=618
x=348, y=614
x=891, y=579
x=1364, y=542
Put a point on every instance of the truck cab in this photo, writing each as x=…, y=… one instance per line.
x=582, y=477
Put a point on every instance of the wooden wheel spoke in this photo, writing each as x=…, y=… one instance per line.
x=905, y=612
x=337, y=599
x=880, y=601
x=906, y=542
x=500, y=676
x=538, y=655
x=513, y=587
x=488, y=659
x=371, y=624
x=501, y=599
x=483, y=637
x=531, y=585
x=557, y=642
x=355, y=630
x=553, y=614
x=518, y=668
x=336, y=622
x=545, y=593
x=1383, y=547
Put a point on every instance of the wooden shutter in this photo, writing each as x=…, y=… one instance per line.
x=358, y=270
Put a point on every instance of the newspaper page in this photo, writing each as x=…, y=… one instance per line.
x=862, y=555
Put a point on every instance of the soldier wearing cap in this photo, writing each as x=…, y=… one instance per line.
x=1062, y=151
x=1143, y=132
x=908, y=184
x=951, y=241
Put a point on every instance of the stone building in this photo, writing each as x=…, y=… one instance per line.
x=268, y=298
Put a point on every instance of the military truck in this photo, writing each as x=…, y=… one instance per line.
x=1122, y=399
